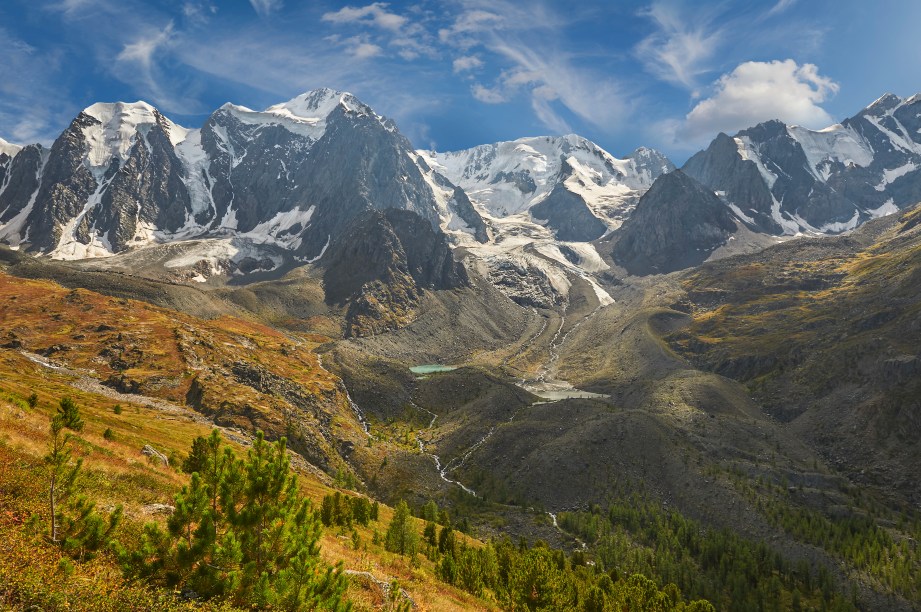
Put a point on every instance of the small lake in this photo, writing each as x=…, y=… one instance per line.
x=431, y=368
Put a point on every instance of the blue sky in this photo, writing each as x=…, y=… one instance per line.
x=456, y=73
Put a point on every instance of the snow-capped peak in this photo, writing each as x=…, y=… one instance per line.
x=305, y=114
x=508, y=178
x=835, y=143
x=135, y=112
x=315, y=106
x=883, y=104
x=119, y=124
x=9, y=148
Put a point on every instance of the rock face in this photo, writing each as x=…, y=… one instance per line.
x=19, y=179
x=787, y=179
x=677, y=224
x=294, y=176
x=568, y=216
x=380, y=266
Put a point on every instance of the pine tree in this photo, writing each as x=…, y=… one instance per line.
x=74, y=523
x=401, y=534
x=241, y=530
x=63, y=473
x=429, y=511
x=446, y=540
x=70, y=414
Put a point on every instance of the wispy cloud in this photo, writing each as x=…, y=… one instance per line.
x=525, y=43
x=141, y=51
x=266, y=7
x=464, y=32
x=684, y=41
x=554, y=77
x=780, y=7
x=383, y=27
x=29, y=79
x=75, y=7
x=488, y=95
x=137, y=64
x=198, y=13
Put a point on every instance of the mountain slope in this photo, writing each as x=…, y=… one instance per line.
x=381, y=266
x=825, y=335
x=676, y=224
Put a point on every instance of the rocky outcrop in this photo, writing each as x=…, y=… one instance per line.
x=721, y=168
x=677, y=224
x=65, y=188
x=568, y=216
x=147, y=190
x=19, y=179
x=380, y=266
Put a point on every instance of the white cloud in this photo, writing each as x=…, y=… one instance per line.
x=373, y=14
x=383, y=27
x=72, y=7
x=365, y=50
x=466, y=63
x=488, y=95
x=536, y=61
x=359, y=47
x=593, y=97
x=542, y=98
x=685, y=40
x=759, y=91
x=29, y=79
x=266, y=7
x=138, y=65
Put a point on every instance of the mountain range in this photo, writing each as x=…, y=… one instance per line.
x=296, y=174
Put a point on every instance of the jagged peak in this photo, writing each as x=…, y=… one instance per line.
x=882, y=105
x=9, y=148
x=305, y=114
x=230, y=106
x=647, y=153
x=773, y=126
x=886, y=100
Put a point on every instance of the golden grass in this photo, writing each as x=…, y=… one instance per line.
x=115, y=472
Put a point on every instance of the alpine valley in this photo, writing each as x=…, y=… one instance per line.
x=656, y=386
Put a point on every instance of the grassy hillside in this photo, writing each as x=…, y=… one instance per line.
x=825, y=335
x=115, y=472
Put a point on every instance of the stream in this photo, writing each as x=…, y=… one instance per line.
x=442, y=470
x=545, y=385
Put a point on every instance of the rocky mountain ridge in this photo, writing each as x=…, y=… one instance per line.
x=284, y=184
x=781, y=179
x=293, y=176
